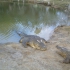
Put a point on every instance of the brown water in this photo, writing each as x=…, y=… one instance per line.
x=30, y=19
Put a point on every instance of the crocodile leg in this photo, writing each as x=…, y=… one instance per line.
x=24, y=43
x=67, y=60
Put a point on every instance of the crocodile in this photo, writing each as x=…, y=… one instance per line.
x=33, y=41
x=64, y=52
x=22, y=35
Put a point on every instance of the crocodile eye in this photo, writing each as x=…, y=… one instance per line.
x=41, y=40
x=38, y=41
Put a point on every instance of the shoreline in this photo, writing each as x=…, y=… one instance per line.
x=15, y=56
x=62, y=5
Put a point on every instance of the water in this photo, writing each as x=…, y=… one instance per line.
x=30, y=19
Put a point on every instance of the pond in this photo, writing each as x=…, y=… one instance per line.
x=32, y=19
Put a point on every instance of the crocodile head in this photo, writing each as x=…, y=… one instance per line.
x=37, y=45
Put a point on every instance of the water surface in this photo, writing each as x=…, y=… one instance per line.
x=28, y=18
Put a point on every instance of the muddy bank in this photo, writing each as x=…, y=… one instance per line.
x=13, y=56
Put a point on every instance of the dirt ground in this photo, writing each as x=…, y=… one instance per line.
x=13, y=56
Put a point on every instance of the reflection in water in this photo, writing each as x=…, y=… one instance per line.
x=28, y=18
x=46, y=32
x=62, y=18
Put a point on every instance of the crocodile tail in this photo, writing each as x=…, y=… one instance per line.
x=21, y=34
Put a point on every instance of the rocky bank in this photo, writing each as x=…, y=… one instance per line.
x=13, y=56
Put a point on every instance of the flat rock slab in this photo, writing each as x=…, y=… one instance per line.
x=13, y=56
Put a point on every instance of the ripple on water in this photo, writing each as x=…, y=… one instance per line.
x=29, y=18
